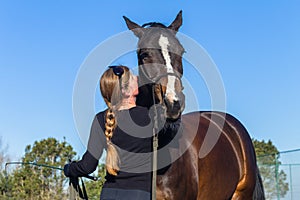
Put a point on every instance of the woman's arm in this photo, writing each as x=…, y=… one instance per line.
x=89, y=161
x=170, y=132
x=171, y=127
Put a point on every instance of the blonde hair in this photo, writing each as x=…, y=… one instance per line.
x=112, y=94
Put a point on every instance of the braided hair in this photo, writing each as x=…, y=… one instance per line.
x=112, y=95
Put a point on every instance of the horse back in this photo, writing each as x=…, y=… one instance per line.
x=226, y=162
x=215, y=160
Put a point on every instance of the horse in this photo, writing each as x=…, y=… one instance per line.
x=226, y=169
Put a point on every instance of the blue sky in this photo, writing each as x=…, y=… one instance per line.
x=254, y=44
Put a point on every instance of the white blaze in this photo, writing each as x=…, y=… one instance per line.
x=164, y=43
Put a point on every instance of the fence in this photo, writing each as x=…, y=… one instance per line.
x=67, y=193
x=281, y=175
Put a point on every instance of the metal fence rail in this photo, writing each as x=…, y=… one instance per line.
x=281, y=175
x=69, y=193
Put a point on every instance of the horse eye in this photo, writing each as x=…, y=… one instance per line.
x=144, y=55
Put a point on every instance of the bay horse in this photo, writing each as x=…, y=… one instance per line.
x=228, y=169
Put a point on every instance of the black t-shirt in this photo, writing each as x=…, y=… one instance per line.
x=133, y=140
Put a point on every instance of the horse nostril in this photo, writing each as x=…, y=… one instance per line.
x=172, y=106
x=176, y=105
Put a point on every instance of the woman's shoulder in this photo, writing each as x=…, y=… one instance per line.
x=101, y=113
x=139, y=111
x=140, y=108
x=140, y=115
x=100, y=118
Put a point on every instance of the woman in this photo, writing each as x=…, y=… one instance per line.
x=125, y=131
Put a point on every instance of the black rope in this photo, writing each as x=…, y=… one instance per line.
x=85, y=196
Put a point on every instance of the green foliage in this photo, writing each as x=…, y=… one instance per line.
x=36, y=182
x=5, y=179
x=265, y=151
x=5, y=184
x=274, y=180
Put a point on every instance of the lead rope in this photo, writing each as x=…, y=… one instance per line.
x=154, y=176
x=155, y=145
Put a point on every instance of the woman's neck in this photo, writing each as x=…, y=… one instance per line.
x=128, y=103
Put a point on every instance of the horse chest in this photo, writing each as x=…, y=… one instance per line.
x=179, y=181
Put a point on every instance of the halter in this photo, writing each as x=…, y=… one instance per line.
x=162, y=76
x=168, y=74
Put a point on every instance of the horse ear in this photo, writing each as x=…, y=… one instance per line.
x=175, y=25
x=135, y=28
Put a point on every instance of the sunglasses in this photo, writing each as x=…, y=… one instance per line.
x=118, y=70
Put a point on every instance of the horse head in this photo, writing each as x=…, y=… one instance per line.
x=160, y=65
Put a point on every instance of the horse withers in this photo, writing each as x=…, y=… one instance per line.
x=214, y=157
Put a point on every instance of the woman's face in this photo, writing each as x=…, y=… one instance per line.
x=133, y=85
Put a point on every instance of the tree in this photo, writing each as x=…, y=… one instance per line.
x=3, y=155
x=274, y=180
x=37, y=182
x=5, y=179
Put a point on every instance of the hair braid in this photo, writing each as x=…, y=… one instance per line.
x=112, y=95
x=112, y=157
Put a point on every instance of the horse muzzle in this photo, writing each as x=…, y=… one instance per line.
x=174, y=106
